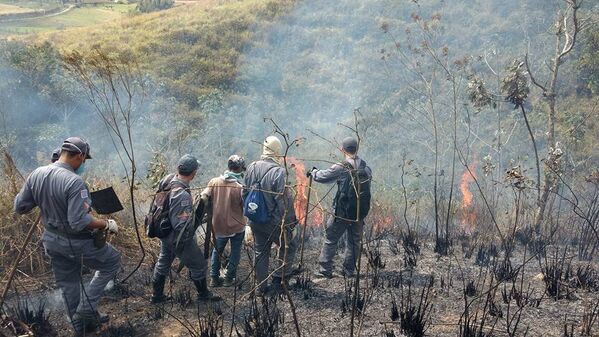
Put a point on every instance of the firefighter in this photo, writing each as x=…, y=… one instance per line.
x=181, y=242
x=68, y=239
x=350, y=173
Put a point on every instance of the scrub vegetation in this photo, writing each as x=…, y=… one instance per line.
x=478, y=118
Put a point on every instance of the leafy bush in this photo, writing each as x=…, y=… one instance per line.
x=147, y=6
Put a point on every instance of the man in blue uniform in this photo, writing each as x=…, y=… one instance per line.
x=68, y=239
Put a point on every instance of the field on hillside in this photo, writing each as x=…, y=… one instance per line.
x=11, y=9
x=87, y=15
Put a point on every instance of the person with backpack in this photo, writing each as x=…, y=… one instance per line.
x=172, y=219
x=228, y=222
x=353, y=177
x=268, y=205
x=70, y=231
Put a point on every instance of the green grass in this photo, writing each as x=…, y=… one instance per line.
x=78, y=17
x=13, y=9
x=26, y=6
x=193, y=49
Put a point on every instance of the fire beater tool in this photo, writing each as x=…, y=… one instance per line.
x=301, y=264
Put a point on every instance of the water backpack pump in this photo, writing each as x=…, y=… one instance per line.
x=157, y=221
x=254, y=204
x=354, y=190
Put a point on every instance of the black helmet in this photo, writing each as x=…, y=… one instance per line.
x=236, y=162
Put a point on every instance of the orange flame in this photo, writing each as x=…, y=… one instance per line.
x=468, y=216
x=317, y=217
x=301, y=199
x=383, y=224
x=299, y=204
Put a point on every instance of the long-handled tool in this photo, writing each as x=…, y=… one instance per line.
x=301, y=264
x=11, y=273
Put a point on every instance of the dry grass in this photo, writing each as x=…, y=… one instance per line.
x=12, y=9
x=13, y=228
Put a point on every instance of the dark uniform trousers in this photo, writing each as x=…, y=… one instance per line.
x=334, y=231
x=67, y=256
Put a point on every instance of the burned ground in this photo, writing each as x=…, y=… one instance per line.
x=543, y=295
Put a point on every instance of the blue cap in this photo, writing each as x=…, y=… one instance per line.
x=187, y=164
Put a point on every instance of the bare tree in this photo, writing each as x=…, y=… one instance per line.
x=115, y=88
x=566, y=28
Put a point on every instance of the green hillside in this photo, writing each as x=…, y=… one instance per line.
x=192, y=48
x=306, y=64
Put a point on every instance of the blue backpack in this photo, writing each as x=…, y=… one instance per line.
x=254, y=204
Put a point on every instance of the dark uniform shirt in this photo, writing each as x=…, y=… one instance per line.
x=338, y=171
x=181, y=215
x=61, y=194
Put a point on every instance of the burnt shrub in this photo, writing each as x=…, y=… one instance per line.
x=26, y=313
x=556, y=271
x=263, y=318
x=470, y=289
x=414, y=309
x=485, y=254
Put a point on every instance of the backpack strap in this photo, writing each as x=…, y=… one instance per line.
x=176, y=185
x=264, y=175
x=347, y=165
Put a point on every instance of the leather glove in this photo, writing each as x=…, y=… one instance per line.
x=309, y=174
x=111, y=226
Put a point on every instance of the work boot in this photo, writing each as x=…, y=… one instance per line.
x=276, y=286
x=324, y=274
x=158, y=286
x=216, y=281
x=229, y=282
x=87, y=323
x=205, y=295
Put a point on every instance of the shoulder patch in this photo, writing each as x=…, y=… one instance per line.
x=84, y=194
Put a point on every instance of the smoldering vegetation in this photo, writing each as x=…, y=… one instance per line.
x=480, y=132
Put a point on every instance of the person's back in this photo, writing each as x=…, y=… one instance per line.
x=54, y=186
x=348, y=174
x=181, y=210
x=352, y=200
x=227, y=205
x=228, y=222
x=270, y=175
x=68, y=237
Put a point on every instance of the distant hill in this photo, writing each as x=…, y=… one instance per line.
x=192, y=48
